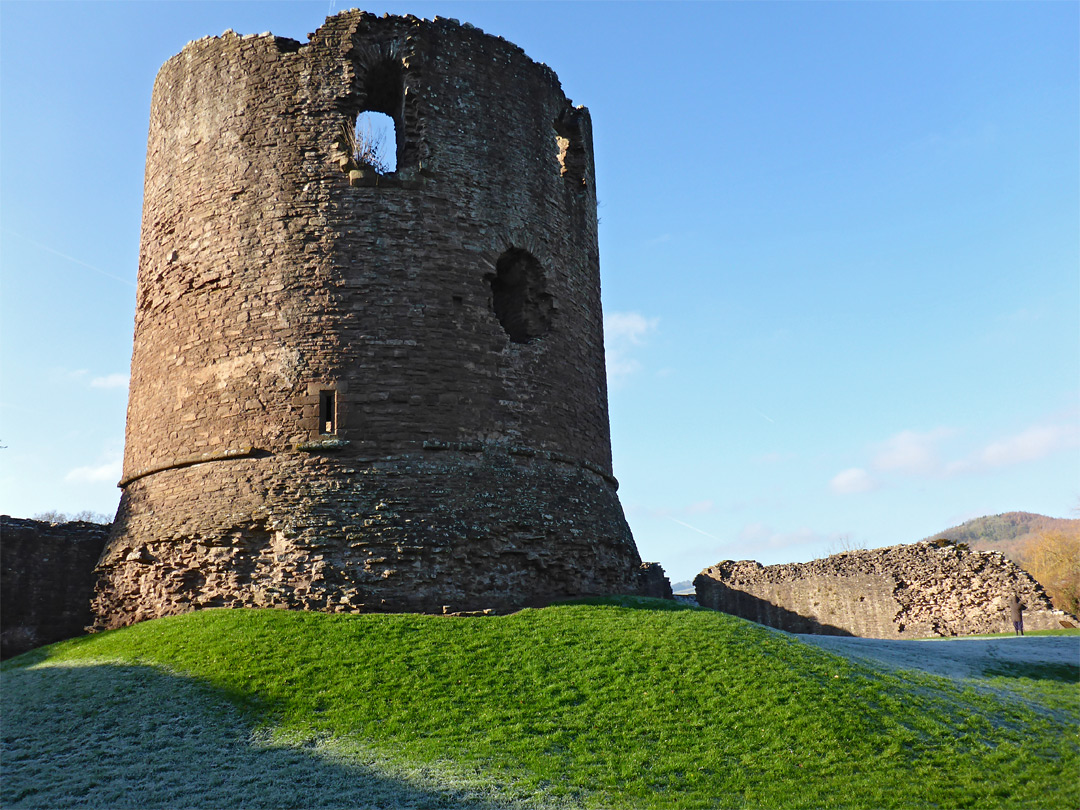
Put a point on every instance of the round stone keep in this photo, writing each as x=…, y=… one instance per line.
x=357, y=387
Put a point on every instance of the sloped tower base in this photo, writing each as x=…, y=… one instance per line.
x=444, y=530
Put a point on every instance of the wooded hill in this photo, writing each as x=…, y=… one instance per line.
x=1008, y=533
x=1047, y=548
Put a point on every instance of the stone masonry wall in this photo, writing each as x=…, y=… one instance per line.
x=46, y=581
x=653, y=582
x=265, y=276
x=907, y=591
x=443, y=530
x=363, y=391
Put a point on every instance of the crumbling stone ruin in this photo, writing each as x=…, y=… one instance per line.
x=46, y=580
x=364, y=390
x=910, y=591
x=653, y=582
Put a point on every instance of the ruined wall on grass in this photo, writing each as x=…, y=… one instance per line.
x=46, y=580
x=908, y=591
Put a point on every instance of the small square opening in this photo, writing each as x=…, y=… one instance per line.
x=327, y=412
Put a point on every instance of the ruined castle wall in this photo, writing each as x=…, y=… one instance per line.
x=46, y=581
x=908, y=591
x=470, y=447
x=653, y=582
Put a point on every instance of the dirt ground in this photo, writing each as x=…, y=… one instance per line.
x=954, y=658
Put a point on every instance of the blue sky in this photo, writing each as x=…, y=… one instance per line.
x=840, y=249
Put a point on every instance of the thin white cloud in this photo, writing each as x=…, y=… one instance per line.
x=695, y=529
x=629, y=327
x=919, y=454
x=623, y=331
x=699, y=508
x=647, y=511
x=959, y=467
x=911, y=451
x=110, y=381
x=108, y=472
x=696, y=508
x=82, y=377
x=852, y=481
x=619, y=367
x=754, y=533
x=1030, y=445
x=759, y=534
x=71, y=259
x=799, y=537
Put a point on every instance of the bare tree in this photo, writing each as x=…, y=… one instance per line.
x=844, y=543
x=365, y=146
x=86, y=516
x=1053, y=558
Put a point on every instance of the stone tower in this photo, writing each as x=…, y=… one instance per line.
x=354, y=390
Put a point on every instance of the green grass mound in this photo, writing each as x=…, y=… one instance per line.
x=611, y=703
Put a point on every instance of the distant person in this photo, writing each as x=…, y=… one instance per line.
x=1016, y=613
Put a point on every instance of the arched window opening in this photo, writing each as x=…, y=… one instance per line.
x=374, y=142
x=374, y=138
x=519, y=297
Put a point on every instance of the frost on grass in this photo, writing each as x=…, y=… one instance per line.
x=574, y=706
x=120, y=736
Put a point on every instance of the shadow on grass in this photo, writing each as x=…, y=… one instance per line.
x=1069, y=673
x=129, y=736
x=744, y=606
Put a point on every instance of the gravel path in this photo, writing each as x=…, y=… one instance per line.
x=954, y=658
